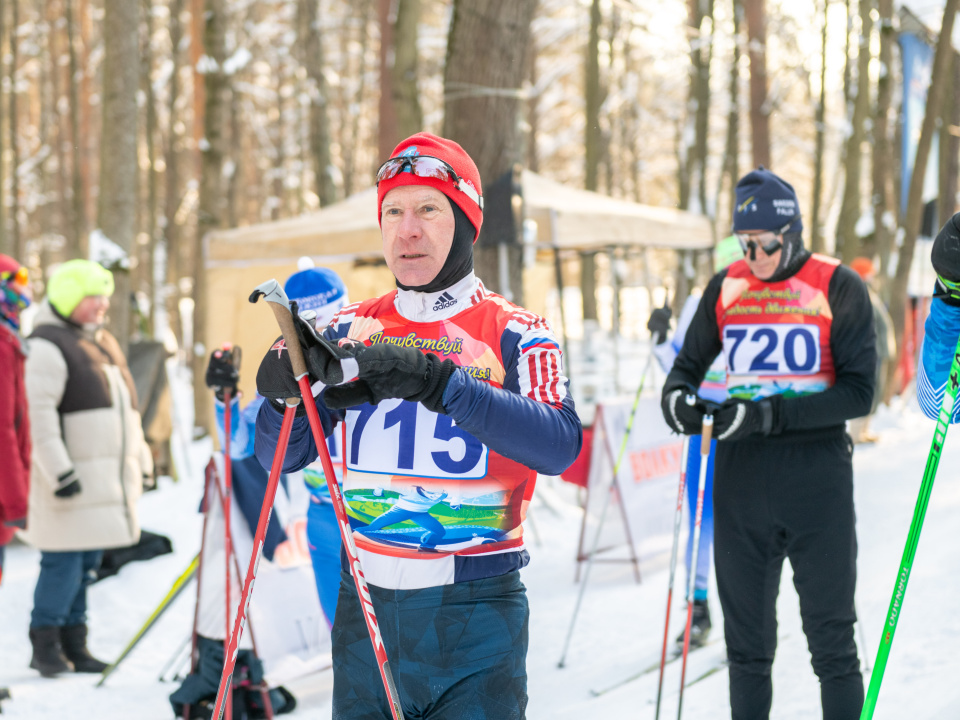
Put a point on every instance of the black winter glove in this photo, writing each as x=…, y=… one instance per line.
x=682, y=409
x=223, y=371
x=324, y=358
x=68, y=484
x=390, y=371
x=739, y=419
x=946, y=261
x=659, y=324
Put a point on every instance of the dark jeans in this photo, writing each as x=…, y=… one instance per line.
x=61, y=595
x=794, y=501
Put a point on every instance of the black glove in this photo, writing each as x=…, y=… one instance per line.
x=324, y=357
x=67, y=484
x=659, y=324
x=223, y=371
x=275, y=379
x=390, y=371
x=945, y=256
x=739, y=419
x=19, y=523
x=682, y=415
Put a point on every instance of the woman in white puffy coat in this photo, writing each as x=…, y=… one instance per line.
x=89, y=460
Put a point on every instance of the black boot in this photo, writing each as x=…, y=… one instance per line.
x=48, y=657
x=74, y=639
x=699, y=625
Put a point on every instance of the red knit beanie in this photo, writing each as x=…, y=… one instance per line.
x=452, y=154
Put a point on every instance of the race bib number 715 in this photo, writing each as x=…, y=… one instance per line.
x=774, y=349
x=398, y=437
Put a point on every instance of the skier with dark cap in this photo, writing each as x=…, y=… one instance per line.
x=796, y=330
x=454, y=399
x=942, y=327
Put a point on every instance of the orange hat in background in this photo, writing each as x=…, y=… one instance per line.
x=862, y=266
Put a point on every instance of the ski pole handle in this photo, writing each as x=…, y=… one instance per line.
x=706, y=434
x=280, y=304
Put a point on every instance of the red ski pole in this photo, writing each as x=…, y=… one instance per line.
x=280, y=305
x=705, y=439
x=232, y=645
x=227, y=543
x=677, y=516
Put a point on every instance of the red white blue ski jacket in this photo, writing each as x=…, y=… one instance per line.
x=435, y=499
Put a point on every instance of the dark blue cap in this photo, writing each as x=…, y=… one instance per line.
x=765, y=201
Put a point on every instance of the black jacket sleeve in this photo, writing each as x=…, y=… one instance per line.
x=853, y=342
x=702, y=342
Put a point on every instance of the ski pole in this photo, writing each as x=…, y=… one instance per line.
x=705, y=439
x=227, y=544
x=273, y=293
x=179, y=584
x=913, y=536
x=603, y=512
x=677, y=517
x=232, y=644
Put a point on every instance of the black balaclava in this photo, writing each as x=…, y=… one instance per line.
x=792, y=258
x=459, y=262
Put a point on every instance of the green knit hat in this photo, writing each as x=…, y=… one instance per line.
x=726, y=253
x=73, y=281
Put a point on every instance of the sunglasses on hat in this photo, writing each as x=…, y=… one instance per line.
x=427, y=167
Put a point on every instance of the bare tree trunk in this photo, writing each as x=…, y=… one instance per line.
x=594, y=96
x=211, y=200
x=950, y=143
x=171, y=199
x=693, y=175
x=277, y=209
x=486, y=45
x=911, y=225
x=77, y=237
x=117, y=205
x=405, y=92
x=883, y=197
x=759, y=110
x=593, y=138
x=731, y=149
x=16, y=240
x=533, y=109
x=389, y=131
x=148, y=284
x=817, y=243
x=64, y=225
x=848, y=244
x=363, y=8
x=312, y=41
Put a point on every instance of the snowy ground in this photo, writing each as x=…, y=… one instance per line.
x=620, y=624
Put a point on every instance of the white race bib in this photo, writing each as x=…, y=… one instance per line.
x=399, y=437
x=774, y=349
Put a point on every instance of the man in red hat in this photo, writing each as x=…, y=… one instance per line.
x=454, y=399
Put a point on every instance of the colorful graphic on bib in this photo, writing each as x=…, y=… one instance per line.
x=428, y=519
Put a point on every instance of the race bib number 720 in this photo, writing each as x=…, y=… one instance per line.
x=398, y=437
x=775, y=349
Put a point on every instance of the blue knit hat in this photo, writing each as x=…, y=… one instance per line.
x=766, y=202
x=318, y=289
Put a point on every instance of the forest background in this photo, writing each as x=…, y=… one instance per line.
x=131, y=128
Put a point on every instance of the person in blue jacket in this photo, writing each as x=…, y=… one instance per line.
x=943, y=323
x=320, y=293
x=713, y=388
x=445, y=386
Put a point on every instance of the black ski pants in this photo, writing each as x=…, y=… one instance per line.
x=775, y=499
